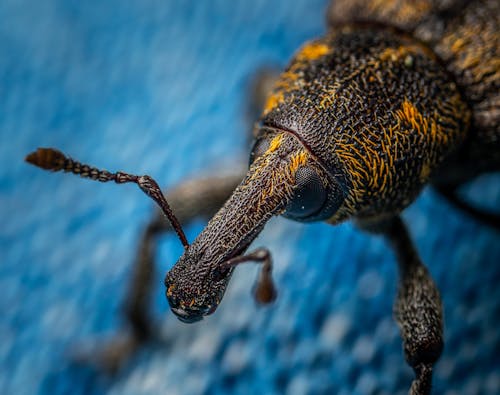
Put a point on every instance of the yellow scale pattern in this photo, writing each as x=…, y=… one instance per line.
x=368, y=154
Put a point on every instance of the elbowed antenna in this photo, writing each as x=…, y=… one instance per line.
x=55, y=160
x=264, y=291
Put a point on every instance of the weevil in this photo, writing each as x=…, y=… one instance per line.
x=397, y=95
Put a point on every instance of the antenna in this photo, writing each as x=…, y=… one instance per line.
x=264, y=289
x=55, y=160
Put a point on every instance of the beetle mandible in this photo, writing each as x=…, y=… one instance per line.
x=394, y=97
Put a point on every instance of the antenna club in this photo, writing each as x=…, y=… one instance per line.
x=47, y=158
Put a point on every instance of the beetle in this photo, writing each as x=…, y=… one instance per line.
x=394, y=97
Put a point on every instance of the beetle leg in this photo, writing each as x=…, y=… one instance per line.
x=112, y=354
x=417, y=309
x=197, y=198
x=450, y=193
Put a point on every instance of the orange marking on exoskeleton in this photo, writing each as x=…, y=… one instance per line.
x=273, y=101
x=298, y=160
x=312, y=51
x=275, y=143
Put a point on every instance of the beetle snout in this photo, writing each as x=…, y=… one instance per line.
x=188, y=312
x=188, y=316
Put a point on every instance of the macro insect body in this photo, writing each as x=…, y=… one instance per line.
x=395, y=96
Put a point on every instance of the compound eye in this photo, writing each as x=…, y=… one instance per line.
x=260, y=146
x=309, y=195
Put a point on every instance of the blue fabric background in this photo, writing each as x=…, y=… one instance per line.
x=159, y=87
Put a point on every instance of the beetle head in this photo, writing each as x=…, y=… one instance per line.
x=283, y=178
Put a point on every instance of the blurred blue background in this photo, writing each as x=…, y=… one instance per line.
x=159, y=87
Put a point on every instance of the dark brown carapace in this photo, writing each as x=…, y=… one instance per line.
x=398, y=94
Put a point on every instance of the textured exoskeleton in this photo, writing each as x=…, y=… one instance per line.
x=396, y=95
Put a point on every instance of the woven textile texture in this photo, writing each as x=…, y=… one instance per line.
x=159, y=87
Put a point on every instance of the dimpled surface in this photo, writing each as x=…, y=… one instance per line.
x=159, y=87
